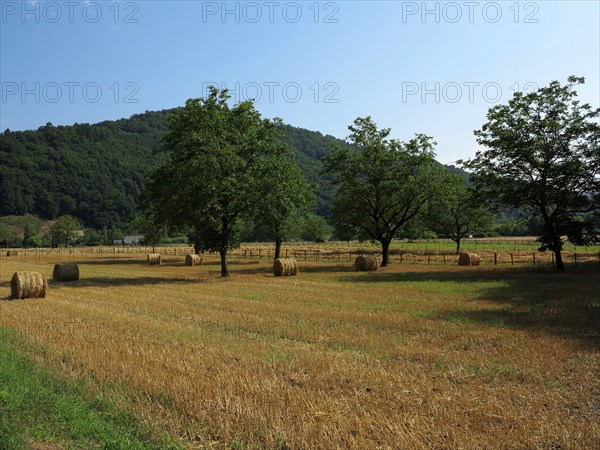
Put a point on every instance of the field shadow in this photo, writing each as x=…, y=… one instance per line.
x=320, y=268
x=123, y=281
x=235, y=262
x=337, y=267
x=110, y=262
x=527, y=298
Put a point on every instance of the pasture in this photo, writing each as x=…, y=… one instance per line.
x=408, y=356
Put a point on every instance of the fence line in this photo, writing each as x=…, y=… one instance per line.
x=327, y=253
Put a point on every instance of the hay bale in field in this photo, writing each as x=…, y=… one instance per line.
x=365, y=263
x=469, y=259
x=28, y=285
x=12, y=253
x=65, y=272
x=284, y=267
x=193, y=260
x=153, y=259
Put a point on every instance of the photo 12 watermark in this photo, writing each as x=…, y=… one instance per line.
x=470, y=12
x=69, y=11
x=68, y=92
x=465, y=91
x=277, y=91
x=270, y=12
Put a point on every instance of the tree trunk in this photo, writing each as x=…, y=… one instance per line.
x=560, y=265
x=197, y=241
x=385, y=246
x=277, y=248
x=224, y=265
x=457, y=246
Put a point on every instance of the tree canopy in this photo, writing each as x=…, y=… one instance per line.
x=64, y=230
x=284, y=204
x=381, y=184
x=541, y=154
x=220, y=167
x=457, y=213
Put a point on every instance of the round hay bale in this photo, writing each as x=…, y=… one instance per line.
x=65, y=272
x=12, y=253
x=285, y=267
x=469, y=259
x=193, y=260
x=365, y=263
x=153, y=259
x=28, y=285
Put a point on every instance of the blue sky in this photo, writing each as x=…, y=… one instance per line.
x=433, y=67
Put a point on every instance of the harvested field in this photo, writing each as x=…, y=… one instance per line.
x=409, y=356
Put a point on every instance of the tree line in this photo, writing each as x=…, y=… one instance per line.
x=226, y=174
x=540, y=154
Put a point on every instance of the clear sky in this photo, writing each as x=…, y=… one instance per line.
x=433, y=67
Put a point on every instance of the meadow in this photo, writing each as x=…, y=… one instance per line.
x=410, y=356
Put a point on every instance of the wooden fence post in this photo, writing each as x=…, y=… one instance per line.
x=495, y=258
x=512, y=259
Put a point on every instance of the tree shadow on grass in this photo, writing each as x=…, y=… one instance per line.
x=337, y=267
x=527, y=298
x=111, y=262
x=123, y=281
x=235, y=262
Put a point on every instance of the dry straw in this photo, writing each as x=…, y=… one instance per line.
x=284, y=267
x=365, y=263
x=153, y=259
x=65, y=272
x=469, y=259
x=12, y=253
x=28, y=285
x=193, y=260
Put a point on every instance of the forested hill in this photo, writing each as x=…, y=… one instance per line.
x=96, y=172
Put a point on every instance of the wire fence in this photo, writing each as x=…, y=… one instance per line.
x=307, y=252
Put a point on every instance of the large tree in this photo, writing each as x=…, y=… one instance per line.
x=150, y=227
x=542, y=155
x=381, y=184
x=458, y=213
x=64, y=230
x=219, y=166
x=287, y=200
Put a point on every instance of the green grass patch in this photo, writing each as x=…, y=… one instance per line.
x=38, y=407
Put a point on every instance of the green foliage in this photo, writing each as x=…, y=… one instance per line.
x=97, y=172
x=511, y=225
x=93, y=172
x=382, y=184
x=542, y=155
x=314, y=228
x=221, y=161
x=457, y=213
x=150, y=227
x=285, y=202
x=31, y=237
x=93, y=237
x=64, y=230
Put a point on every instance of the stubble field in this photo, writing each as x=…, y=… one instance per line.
x=410, y=356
